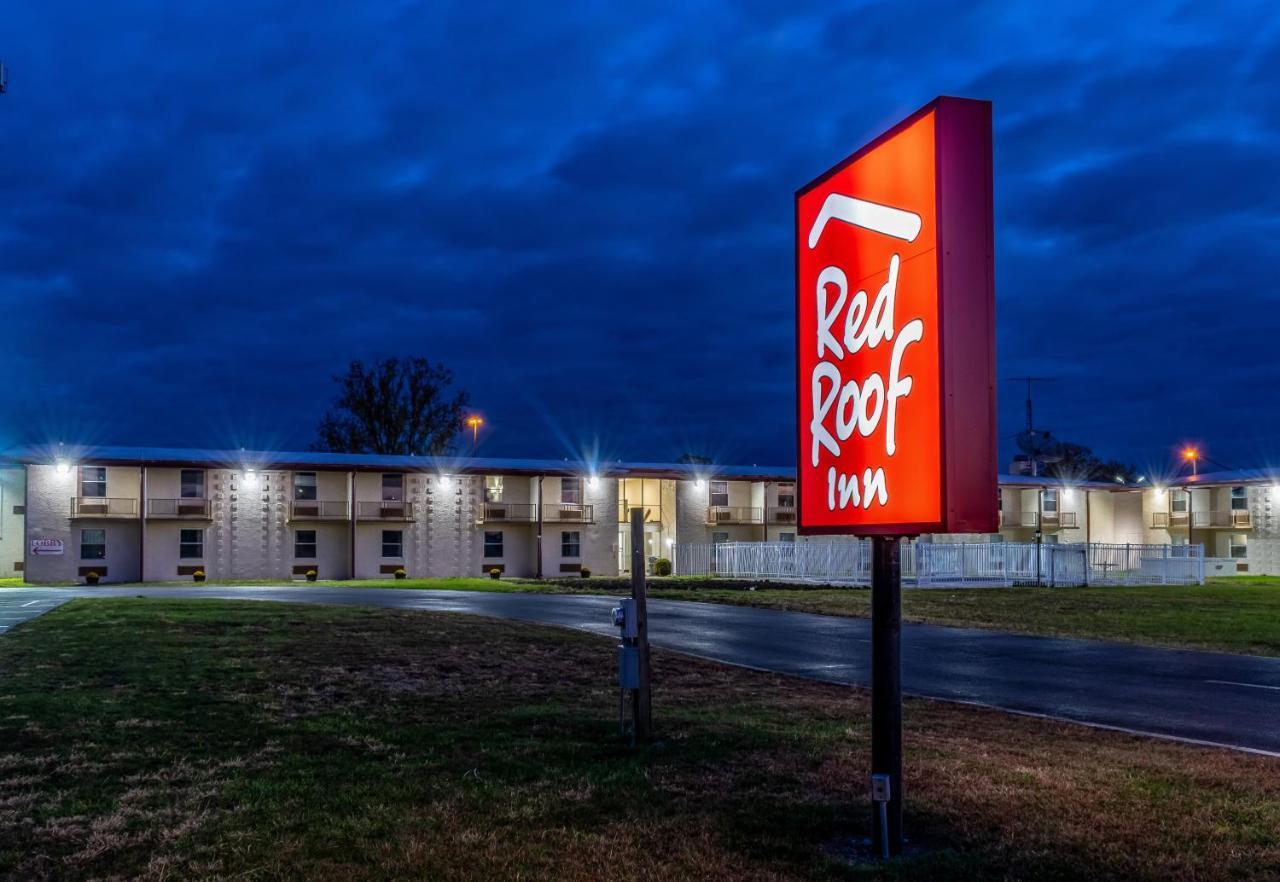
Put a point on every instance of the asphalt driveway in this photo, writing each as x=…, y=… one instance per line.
x=1216, y=698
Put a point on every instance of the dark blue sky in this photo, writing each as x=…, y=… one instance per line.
x=208, y=208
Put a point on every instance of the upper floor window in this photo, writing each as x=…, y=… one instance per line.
x=718, y=493
x=93, y=481
x=304, y=485
x=1178, y=501
x=571, y=491
x=786, y=496
x=493, y=488
x=192, y=484
x=393, y=543
x=493, y=543
x=1239, y=499
x=304, y=544
x=1049, y=502
x=393, y=487
x=191, y=543
x=571, y=544
x=93, y=544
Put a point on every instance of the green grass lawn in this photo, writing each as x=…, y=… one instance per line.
x=164, y=739
x=1234, y=614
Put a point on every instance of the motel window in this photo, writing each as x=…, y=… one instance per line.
x=93, y=544
x=1178, y=501
x=571, y=544
x=571, y=491
x=1049, y=502
x=1239, y=499
x=304, y=485
x=93, y=481
x=393, y=543
x=493, y=543
x=191, y=543
x=718, y=537
x=493, y=488
x=304, y=544
x=393, y=487
x=192, y=484
x=1239, y=545
x=718, y=494
x=786, y=496
x=786, y=537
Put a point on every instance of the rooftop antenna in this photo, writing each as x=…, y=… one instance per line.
x=1039, y=445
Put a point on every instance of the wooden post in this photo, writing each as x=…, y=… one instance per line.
x=886, y=687
x=642, y=710
x=538, y=515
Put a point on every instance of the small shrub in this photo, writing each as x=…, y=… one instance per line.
x=198, y=575
x=662, y=567
x=91, y=578
x=585, y=572
x=311, y=575
x=495, y=573
x=400, y=573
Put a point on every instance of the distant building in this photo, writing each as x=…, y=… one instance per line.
x=145, y=514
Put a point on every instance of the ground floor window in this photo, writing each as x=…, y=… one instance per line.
x=493, y=543
x=93, y=544
x=717, y=536
x=1239, y=545
x=191, y=543
x=571, y=544
x=393, y=543
x=304, y=544
x=786, y=537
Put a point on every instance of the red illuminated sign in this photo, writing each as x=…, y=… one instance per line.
x=895, y=336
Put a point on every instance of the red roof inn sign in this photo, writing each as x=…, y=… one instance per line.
x=895, y=332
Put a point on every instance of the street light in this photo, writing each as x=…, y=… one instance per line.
x=1191, y=455
x=474, y=422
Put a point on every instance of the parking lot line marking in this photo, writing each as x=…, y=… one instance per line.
x=1248, y=685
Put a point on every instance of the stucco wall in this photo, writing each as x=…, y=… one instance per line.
x=12, y=497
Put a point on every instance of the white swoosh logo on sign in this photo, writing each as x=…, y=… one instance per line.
x=872, y=216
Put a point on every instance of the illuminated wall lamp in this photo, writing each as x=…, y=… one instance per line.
x=62, y=469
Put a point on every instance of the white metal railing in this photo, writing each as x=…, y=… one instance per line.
x=926, y=564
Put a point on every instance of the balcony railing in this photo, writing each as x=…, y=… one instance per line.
x=651, y=512
x=1233, y=519
x=319, y=510
x=179, y=509
x=734, y=514
x=782, y=515
x=384, y=510
x=510, y=511
x=1047, y=520
x=103, y=507
x=568, y=513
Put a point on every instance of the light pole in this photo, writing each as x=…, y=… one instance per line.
x=1191, y=455
x=474, y=422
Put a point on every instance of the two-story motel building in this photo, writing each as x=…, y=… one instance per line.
x=146, y=514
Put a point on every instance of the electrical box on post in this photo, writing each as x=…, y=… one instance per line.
x=624, y=618
x=628, y=667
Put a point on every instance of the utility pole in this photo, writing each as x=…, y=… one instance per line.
x=642, y=708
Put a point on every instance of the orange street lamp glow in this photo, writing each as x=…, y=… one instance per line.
x=474, y=422
x=1191, y=455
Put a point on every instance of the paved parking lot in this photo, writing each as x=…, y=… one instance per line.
x=18, y=605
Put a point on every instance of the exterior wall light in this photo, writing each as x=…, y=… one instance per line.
x=250, y=477
x=593, y=482
x=699, y=484
x=444, y=481
x=1067, y=494
x=62, y=469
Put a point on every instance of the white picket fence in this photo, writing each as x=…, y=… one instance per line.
x=927, y=564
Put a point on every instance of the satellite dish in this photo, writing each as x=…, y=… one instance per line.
x=1041, y=446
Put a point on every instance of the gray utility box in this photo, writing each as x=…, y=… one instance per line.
x=624, y=618
x=628, y=667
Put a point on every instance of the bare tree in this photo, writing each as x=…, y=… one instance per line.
x=394, y=406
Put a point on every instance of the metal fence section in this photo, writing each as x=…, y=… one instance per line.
x=937, y=564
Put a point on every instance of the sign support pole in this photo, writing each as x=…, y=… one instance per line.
x=886, y=694
x=642, y=708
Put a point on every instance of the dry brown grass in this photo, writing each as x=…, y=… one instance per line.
x=197, y=739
